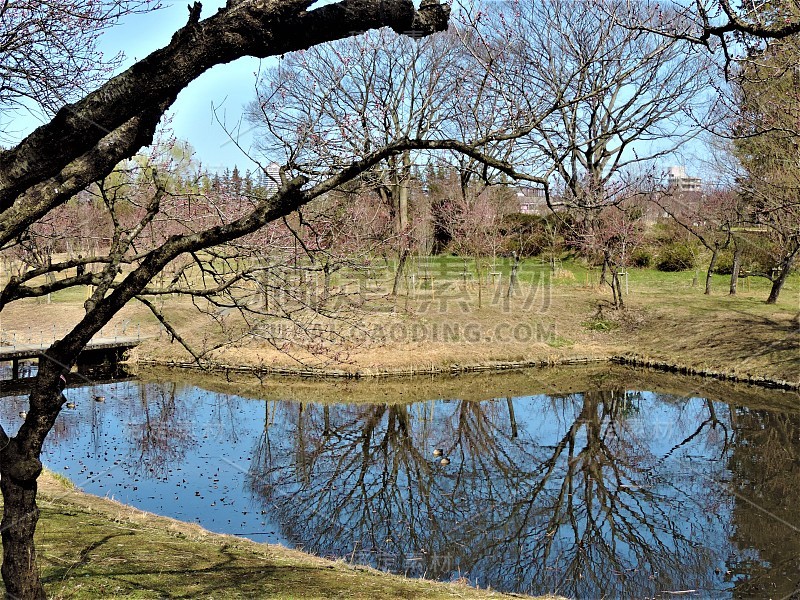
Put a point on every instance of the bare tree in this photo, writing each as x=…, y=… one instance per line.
x=632, y=98
x=319, y=108
x=715, y=24
x=48, y=50
x=614, y=233
x=766, y=139
x=471, y=218
x=624, y=99
x=711, y=218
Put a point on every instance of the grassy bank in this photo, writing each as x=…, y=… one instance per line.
x=553, y=317
x=445, y=320
x=91, y=547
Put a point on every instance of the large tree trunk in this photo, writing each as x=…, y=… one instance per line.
x=20, y=467
x=20, y=515
x=711, y=265
x=398, y=199
x=777, y=285
x=737, y=263
x=402, y=192
x=401, y=266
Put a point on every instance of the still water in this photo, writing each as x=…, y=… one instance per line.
x=609, y=491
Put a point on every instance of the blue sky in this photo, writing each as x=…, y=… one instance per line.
x=227, y=87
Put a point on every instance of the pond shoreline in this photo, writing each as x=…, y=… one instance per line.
x=486, y=367
x=493, y=428
x=668, y=367
x=152, y=553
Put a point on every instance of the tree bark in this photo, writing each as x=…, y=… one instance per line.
x=402, y=192
x=785, y=268
x=616, y=291
x=512, y=280
x=20, y=467
x=603, y=272
x=479, y=274
x=737, y=263
x=20, y=515
x=711, y=265
x=401, y=265
x=777, y=285
x=85, y=140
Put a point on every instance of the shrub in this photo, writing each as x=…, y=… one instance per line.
x=666, y=233
x=724, y=264
x=642, y=257
x=678, y=256
x=598, y=323
x=523, y=234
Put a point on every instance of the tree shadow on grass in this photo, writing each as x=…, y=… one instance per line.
x=140, y=561
x=764, y=336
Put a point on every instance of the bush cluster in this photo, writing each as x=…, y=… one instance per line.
x=724, y=264
x=642, y=258
x=676, y=256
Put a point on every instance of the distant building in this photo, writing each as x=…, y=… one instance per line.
x=270, y=178
x=679, y=181
x=532, y=201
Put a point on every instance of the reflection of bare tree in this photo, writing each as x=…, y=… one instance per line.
x=163, y=432
x=12, y=405
x=582, y=506
x=766, y=462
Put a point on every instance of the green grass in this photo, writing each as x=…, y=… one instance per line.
x=560, y=342
x=600, y=324
x=89, y=547
x=446, y=269
x=451, y=268
x=63, y=480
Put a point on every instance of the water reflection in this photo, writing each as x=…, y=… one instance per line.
x=766, y=517
x=565, y=494
x=608, y=492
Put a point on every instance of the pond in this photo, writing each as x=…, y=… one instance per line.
x=615, y=487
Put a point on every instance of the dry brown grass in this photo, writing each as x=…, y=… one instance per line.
x=665, y=319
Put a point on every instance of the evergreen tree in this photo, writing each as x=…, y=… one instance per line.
x=236, y=181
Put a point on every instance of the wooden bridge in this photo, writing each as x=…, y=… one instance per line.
x=23, y=385
x=97, y=352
